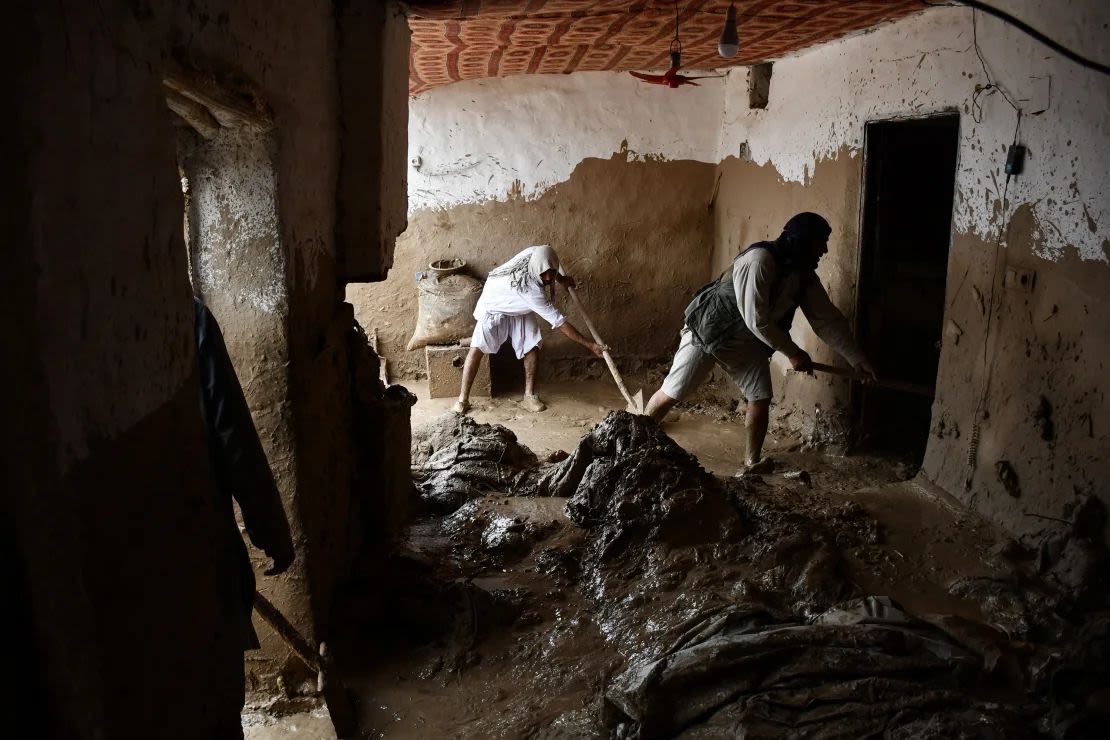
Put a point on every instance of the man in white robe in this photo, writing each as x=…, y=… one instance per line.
x=514, y=294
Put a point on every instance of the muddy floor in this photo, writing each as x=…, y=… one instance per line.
x=505, y=617
x=310, y=725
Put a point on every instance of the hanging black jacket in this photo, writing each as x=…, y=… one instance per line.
x=240, y=470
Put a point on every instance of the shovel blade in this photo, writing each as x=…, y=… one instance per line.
x=636, y=405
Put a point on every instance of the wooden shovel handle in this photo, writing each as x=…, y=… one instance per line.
x=605, y=353
x=898, y=385
x=585, y=316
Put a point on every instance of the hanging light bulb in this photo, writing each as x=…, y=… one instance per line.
x=729, y=44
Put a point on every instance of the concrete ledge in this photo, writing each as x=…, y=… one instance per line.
x=444, y=365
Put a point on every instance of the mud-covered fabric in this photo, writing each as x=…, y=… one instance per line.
x=630, y=482
x=456, y=459
x=240, y=470
x=862, y=669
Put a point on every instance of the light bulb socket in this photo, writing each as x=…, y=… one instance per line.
x=729, y=44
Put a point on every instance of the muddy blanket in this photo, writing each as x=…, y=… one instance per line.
x=628, y=479
x=455, y=459
x=861, y=669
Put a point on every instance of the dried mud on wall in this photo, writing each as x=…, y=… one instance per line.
x=752, y=203
x=287, y=52
x=238, y=267
x=1037, y=381
x=112, y=493
x=638, y=235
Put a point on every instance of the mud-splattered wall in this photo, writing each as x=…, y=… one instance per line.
x=615, y=174
x=805, y=149
x=238, y=267
x=270, y=246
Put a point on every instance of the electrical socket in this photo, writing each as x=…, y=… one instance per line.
x=1018, y=278
x=1015, y=159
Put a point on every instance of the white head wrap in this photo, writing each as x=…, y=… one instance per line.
x=541, y=259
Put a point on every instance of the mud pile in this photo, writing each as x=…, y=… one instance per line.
x=1074, y=558
x=456, y=459
x=629, y=482
x=731, y=606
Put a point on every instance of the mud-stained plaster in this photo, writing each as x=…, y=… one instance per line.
x=639, y=257
x=238, y=267
x=490, y=143
x=484, y=140
x=544, y=125
x=116, y=530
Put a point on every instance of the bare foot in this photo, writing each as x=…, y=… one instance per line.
x=533, y=403
x=461, y=407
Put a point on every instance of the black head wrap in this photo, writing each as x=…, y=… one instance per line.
x=798, y=233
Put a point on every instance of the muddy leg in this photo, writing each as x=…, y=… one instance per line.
x=756, y=422
x=659, y=404
x=470, y=371
x=531, y=362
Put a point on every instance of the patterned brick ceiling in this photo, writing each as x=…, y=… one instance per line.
x=455, y=40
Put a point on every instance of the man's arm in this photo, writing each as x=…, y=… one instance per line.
x=577, y=336
x=829, y=324
x=545, y=309
x=752, y=279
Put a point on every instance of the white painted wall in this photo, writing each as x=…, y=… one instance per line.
x=822, y=99
x=489, y=139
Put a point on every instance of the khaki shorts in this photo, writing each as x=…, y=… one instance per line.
x=748, y=365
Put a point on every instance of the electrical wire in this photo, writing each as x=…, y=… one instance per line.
x=676, y=45
x=988, y=356
x=1028, y=30
x=991, y=87
x=987, y=364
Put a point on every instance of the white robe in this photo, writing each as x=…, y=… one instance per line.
x=507, y=313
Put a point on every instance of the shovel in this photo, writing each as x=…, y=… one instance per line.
x=635, y=402
x=897, y=385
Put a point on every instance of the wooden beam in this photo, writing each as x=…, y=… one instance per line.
x=193, y=113
x=228, y=106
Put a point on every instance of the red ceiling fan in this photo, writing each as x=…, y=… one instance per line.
x=671, y=78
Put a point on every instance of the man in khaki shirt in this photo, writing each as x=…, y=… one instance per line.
x=740, y=320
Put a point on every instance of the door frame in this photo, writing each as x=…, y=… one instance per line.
x=855, y=395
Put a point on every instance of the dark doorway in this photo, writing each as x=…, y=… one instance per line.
x=910, y=174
